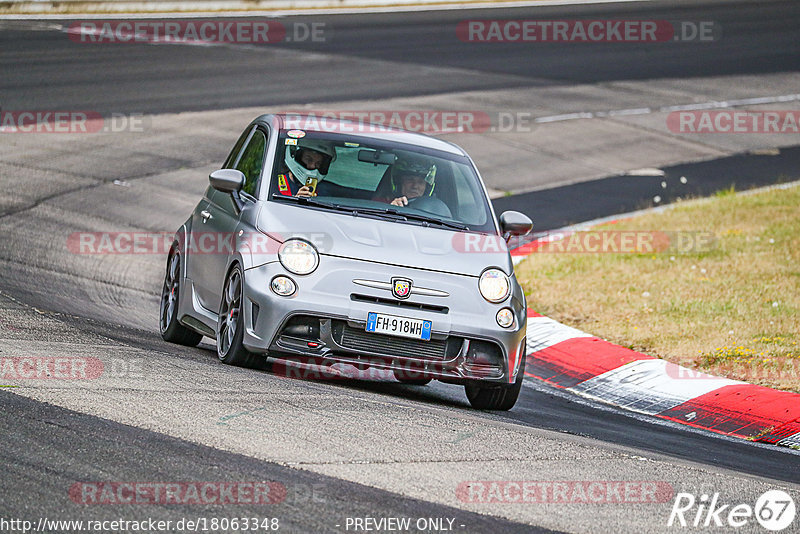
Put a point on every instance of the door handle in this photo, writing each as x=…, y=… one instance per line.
x=205, y=215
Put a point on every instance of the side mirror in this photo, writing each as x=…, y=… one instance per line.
x=514, y=223
x=226, y=180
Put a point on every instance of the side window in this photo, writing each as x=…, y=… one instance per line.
x=470, y=209
x=236, y=149
x=252, y=162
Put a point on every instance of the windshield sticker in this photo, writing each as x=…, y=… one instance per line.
x=291, y=142
x=353, y=145
x=296, y=133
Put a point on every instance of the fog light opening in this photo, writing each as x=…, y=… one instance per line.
x=505, y=318
x=283, y=286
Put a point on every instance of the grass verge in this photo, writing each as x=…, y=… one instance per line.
x=713, y=284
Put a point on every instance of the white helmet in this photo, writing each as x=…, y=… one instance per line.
x=323, y=147
x=294, y=162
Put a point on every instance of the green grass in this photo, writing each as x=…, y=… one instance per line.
x=730, y=308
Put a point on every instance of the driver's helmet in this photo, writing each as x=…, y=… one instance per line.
x=419, y=167
x=294, y=161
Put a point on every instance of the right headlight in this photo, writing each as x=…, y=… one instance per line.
x=494, y=285
x=298, y=256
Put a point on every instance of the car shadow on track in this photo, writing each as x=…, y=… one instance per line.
x=348, y=377
x=341, y=375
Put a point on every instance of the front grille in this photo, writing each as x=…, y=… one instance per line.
x=361, y=340
x=399, y=303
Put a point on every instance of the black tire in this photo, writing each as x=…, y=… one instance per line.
x=230, y=325
x=171, y=329
x=412, y=378
x=502, y=397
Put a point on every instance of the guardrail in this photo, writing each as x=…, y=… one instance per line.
x=52, y=7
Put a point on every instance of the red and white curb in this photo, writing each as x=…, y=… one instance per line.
x=591, y=367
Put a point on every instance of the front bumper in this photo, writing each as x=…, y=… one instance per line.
x=324, y=322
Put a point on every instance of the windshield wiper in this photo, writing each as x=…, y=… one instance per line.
x=355, y=212
x=414, y=217
x=383, y=212
x=302, y=200
x=429, y=219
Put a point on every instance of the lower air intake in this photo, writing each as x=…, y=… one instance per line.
x=361, y=340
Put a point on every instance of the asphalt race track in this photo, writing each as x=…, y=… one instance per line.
x=377, y=57
x=349, y=448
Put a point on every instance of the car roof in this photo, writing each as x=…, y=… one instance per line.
x=344, y=126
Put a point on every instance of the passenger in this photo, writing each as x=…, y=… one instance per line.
x=309, y=159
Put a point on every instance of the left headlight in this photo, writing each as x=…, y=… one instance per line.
x=494, y=285
x=298, y=256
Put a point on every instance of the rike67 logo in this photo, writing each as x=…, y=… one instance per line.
x=774, y=510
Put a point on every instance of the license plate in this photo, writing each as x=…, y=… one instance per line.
x=394, y=325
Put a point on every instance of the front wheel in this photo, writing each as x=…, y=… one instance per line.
x=171, y=329
x=494, y=397
x=230, y=325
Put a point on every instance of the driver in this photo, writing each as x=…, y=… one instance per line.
x=410, y=179
x=311, y=158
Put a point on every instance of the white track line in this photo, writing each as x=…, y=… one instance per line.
x=713, y=104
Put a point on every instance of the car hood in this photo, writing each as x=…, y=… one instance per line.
x=383, y=241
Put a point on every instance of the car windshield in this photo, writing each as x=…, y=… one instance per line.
x=382, y=179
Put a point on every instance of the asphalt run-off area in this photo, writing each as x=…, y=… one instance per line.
x=107, y=128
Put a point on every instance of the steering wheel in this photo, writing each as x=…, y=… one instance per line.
x=431, y=205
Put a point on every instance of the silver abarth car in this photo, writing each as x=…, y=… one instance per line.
x=335, y=242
